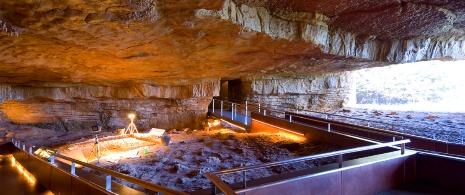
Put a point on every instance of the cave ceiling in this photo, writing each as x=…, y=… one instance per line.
x=108, y=42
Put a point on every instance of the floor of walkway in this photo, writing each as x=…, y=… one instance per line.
x=13, y=181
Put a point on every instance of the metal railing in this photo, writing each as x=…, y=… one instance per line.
x=278, y=111
x=145, y=184
x=248, y=108
x=227, y=190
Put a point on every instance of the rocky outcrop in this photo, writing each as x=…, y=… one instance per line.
x=385, y=34
x=75, y=108
x=322, y=93
x=101, y=43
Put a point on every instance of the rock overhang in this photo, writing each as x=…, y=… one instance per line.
x=117, y=42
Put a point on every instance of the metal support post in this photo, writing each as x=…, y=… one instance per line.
x=393, y=139
x=108, y=183
x=290, y=118
x=244, y=184
x=246, y=110
x=232, y=111
x=30, y=150
x=213, y=105
x=402, y=149
x=52, y=159
x=213, y=189
x=221, y=108
x=329, y=127
x=73, y=168
x=264, y=112
x=24, y=146
x=340, y=160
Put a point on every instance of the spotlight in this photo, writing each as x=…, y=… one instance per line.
x=132, y=127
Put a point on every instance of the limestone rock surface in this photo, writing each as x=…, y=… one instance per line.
x=70, y=64
x=120, y=41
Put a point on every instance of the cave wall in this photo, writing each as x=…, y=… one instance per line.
x=318, y=93
x=74, y=108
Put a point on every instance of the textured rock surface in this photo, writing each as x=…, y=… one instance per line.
x=320, y=93
x=119, y=41
x=63, y=55
x=80, y=107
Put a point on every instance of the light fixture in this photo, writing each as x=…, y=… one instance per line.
x=131, y=127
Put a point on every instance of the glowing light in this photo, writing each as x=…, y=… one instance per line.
x=301, y=134
x=233, y=124
x=216, y=122
x=23, y=171
x=131, y=127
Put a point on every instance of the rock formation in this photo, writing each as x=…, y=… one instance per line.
x=97, y=56
x=319, y=93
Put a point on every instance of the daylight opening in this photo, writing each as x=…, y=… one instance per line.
x=436, y=86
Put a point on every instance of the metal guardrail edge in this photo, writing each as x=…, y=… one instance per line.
x=220, y=184
x=358, y=149
x=143, y=183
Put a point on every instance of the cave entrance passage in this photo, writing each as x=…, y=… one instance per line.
x=437, y=86
x=230, y=89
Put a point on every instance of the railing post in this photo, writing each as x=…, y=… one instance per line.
x=24, y=146
x=244, y=174
x=393, y=139
x=264, y=112
x=232, y=111
x=30, y=150
x=340, y=160
x=52, y=159
x=221, y=108
x=108, y=183
x=402, y=149
x=73, y=168
x=246, y=113
x=329, y=127
x=213, y=105
x=213, y=189
x=290, y=118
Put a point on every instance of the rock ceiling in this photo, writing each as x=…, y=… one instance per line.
x=108, y=42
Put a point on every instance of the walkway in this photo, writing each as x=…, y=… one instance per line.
x=13, y=181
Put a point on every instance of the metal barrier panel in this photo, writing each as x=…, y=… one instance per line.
x=323, y=184
x=378, y=177
x=443, y=172
x=307, y=131
x=60, y=182
x=455, y=149
x=370, y=178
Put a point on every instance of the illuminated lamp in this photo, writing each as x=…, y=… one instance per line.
x=131, y=127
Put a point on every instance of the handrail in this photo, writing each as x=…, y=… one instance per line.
x=325, y=121
x=347, y=117
x=142, y=183
x=270, y=109
x=312, y=157
x=213, y=176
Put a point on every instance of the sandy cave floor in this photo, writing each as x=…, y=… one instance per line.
x=190, y=154
x=181, y=165
x=443, y=126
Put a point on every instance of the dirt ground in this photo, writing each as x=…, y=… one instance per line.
x=443, y=126
x=190, y=154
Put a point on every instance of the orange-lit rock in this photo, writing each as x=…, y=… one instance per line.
x=82, y=52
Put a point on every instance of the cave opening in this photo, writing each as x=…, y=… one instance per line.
x=432, y=86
